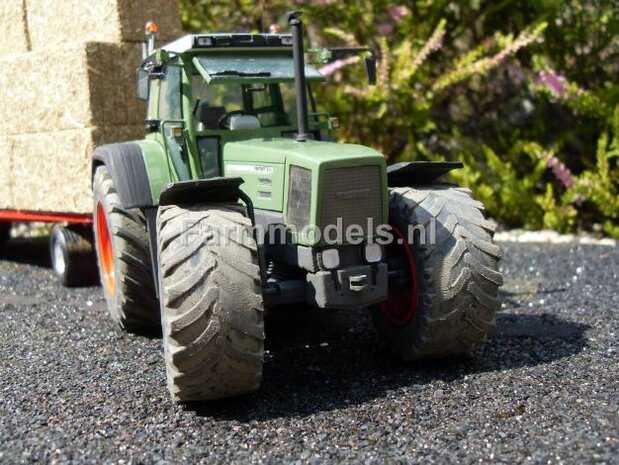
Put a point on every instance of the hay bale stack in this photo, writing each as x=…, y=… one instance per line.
x=50, y=171
x=5, y=173
x=54, y=23
x=13, y=29
x=75, y=87
x=67, y=75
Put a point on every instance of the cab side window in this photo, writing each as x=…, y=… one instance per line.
x=170, y=94
x=153, y=100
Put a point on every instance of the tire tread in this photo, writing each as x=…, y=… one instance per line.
x=459, y=273
x=211, y=305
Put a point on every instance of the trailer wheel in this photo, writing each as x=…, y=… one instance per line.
x=453, y=267
x=123, y=255
x=72, y=255
x=211, y=301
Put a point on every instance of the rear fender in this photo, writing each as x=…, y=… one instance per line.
x=139, y=170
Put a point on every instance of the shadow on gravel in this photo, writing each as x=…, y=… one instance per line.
x=30, y=251
x=324, y=360
x=318, y=361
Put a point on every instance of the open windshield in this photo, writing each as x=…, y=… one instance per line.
x=258, y=84
x=270, y=67
x=273, y=103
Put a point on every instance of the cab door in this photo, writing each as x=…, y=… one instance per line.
x=171, y=124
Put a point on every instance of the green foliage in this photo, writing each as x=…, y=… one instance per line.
x=599, y=184
x=524, y=93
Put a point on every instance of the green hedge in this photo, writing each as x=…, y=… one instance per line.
x=524, y=92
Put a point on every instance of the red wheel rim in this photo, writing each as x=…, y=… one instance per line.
x=400, y=307
x=106, y=253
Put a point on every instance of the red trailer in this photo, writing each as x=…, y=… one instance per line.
x=71, y=243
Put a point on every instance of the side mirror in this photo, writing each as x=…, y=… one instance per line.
x=370, y=69
x=143, y=83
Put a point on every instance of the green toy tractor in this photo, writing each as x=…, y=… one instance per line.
x=238, y=200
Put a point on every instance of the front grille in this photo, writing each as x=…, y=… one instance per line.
x=353, y=194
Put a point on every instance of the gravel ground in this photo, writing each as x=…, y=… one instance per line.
x=544, y=389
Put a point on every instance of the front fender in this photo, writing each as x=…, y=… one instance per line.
x=211, y=190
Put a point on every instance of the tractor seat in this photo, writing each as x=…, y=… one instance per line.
x=209, y=116
x=244, y=122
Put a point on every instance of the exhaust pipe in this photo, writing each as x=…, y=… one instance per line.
x=299, y=75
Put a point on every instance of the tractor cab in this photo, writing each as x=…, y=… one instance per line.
x=249, y=88
x=205, y=90
x=246, y=90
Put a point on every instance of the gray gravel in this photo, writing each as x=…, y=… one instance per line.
x=544, y=389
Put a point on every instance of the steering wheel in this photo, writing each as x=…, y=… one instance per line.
x=224, y=121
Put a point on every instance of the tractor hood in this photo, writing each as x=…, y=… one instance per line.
x=309, y=154
x=343, y=179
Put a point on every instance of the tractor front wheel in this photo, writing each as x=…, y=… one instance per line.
x=444, y=246
x=211, y=301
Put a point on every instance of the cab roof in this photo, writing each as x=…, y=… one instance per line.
x=226, y=41
x=229, y=58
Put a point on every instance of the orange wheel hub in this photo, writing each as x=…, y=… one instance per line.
x=106, y=252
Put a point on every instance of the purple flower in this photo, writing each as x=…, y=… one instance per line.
x=554, y=81
x=561, y=172
x=398, y=12
x=385, y=29
x=337, y=65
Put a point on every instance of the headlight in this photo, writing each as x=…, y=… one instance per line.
x=299, y=197
x=373, y=253
x=330, y=259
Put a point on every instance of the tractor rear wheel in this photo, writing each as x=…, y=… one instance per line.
x=447, y=251
x=123, y=255
x=211, y=301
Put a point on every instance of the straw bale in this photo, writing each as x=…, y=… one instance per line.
x=5, y=170
x=54, y=23
x=51, y=171
x=13, y=29
x=75, y=87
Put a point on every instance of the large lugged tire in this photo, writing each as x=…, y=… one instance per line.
x=454, y=296
x=123, y=255
x=211, y=301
